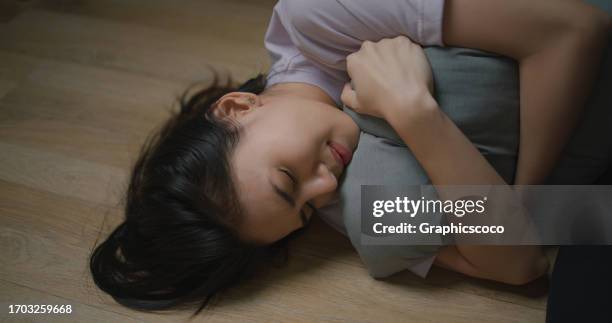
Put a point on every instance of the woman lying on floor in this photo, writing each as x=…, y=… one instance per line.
x=240, y=170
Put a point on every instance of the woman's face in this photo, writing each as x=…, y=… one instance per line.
x=284, y=161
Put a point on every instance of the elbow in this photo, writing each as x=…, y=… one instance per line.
x=580, y=28
x=526, y=273
x=591, y=25
x=519, y=280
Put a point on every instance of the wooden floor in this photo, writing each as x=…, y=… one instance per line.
x=82, y=83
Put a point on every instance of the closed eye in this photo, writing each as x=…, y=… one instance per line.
x=294, y=181
x=291, y=177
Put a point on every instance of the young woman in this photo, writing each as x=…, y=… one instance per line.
x=239, y=171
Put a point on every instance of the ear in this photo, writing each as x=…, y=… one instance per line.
x=235, y=105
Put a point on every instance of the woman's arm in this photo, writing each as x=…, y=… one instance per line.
x=392, y=80
x=449, y=158
x=558, y=45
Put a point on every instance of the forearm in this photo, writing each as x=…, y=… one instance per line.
x=449, y=158
x=554, y=83
x=558, y=44
x=445, y=153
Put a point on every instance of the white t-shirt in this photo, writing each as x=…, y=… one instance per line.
x=308, y=40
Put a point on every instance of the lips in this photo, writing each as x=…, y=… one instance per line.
x=342, y=153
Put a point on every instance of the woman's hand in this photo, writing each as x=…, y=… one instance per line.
x=390, y=77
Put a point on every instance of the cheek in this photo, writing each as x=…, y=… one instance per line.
x=298, y=137
x=303, y=147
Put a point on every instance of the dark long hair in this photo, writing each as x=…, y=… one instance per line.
x=177, y=245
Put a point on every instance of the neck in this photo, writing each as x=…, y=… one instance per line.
x=302, y=90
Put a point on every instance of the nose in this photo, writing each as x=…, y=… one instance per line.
x=324, y=182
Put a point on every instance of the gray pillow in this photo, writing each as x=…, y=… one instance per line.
x=479, y=91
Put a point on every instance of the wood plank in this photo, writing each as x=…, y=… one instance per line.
x=46, y=240
x=148, y=51
x=55, y=106
x=82, y=142
x=6, y=86
x=128, y=87
x=59, y=174
x=238, y=20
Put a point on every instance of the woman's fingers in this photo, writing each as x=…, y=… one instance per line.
x=349, y=97
x=387, y=74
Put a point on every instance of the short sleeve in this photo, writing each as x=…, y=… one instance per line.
x=308, y=40
x=288, y=62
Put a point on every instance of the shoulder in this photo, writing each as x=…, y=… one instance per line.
x=353, y=21
x=306, y=16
